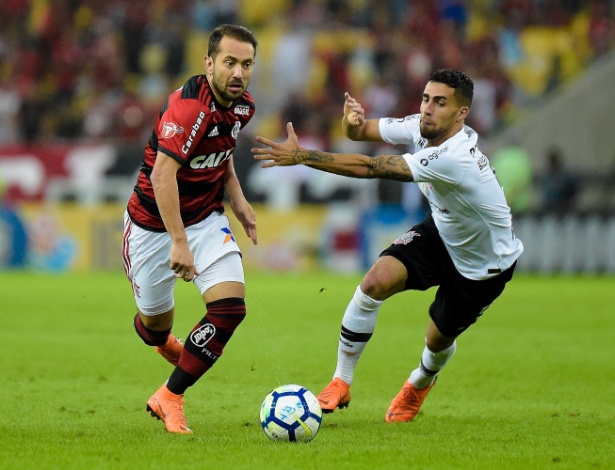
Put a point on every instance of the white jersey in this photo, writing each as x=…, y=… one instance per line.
x=467, y=202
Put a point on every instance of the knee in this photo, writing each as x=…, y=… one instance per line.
x=371, y=286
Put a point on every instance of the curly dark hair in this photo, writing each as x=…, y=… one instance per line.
x=234, y=31
x=459, y=81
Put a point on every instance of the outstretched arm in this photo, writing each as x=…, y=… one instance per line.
x=289, y=153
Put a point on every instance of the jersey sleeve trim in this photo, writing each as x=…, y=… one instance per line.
x=173, y=155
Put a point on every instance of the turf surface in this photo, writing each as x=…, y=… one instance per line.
x=532, y=385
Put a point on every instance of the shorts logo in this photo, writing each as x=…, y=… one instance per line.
x=201, y=336
x=229, y=236
x=406, y=238
x=169, y=129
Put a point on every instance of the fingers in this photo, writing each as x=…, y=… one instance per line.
x=251, y=232
x=184, y=272
x=264, y=141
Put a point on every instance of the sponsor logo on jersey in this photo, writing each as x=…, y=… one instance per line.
x=433, y=156
x=242, y=110
x=214, y=132
x=195, y=128
x=228, y=235
x=169, y=129
x=406, y=238
x=210, y=161
x=203, y=334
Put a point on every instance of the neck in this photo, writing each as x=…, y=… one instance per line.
x=443, y=138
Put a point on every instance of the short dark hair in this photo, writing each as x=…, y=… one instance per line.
x=234, y=31
x=459, y=81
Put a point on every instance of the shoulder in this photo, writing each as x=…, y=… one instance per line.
x=195, y=88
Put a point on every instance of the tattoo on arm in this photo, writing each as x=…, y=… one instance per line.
x=393, y=167
x=302, y=156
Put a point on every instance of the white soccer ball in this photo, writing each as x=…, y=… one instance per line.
x=291, y=413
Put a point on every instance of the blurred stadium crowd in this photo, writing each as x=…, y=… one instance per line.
x=100, y=69
x=81, y=82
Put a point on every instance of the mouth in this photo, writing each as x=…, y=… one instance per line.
x=235, y=87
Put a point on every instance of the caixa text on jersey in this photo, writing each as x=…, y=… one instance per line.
x=210, y=161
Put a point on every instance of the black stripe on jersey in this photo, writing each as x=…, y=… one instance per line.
x=151, y=207
x=192, y=88
x=153, y=140
x=164, y=107
x=197, y=188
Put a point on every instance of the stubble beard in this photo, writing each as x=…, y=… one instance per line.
x=221, y=90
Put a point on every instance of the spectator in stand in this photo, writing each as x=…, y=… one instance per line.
x=559, y=188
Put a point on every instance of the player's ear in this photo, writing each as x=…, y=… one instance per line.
x=463, y=113
x=209, y=64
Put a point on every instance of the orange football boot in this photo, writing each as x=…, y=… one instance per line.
x=171, y=350
x=334, y=395
x=169, y=408
x=407, y=403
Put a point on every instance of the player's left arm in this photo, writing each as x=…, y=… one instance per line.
x=288, y=153
x=239, y=204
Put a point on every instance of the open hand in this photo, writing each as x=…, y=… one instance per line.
x=282, y=154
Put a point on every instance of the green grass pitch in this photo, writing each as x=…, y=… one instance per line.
x=532, y=385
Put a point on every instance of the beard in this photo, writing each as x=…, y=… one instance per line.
x=221, y=90
x=429, y=132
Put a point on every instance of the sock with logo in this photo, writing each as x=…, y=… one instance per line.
x=150, y=337
x=206, y=342
x=358, y=327
x=431, y=363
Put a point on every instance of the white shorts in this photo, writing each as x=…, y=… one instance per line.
x=146, y=258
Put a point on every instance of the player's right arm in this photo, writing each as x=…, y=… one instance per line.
x=164, y=183
x=354, y=124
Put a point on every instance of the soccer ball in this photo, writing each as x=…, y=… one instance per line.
x=290, y=413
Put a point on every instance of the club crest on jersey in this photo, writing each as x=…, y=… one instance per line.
x=169, y=129
x=203, y=334
x=406, y=238
x=235, y=130
x=229, y=235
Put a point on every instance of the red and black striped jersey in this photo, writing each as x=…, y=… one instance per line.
x=201, y=135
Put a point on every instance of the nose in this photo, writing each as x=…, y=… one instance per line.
x=238, y=71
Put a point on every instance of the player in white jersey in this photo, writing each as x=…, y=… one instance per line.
x=465, y=246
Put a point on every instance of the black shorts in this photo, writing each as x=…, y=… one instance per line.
x=459, y=301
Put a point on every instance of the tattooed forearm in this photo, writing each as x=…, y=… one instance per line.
x=311, y=156
x=393, y=167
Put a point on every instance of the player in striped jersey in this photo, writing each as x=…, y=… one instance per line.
x=175, y=226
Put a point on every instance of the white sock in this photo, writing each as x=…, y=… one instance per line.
x=431, y=363
x=357, y=328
